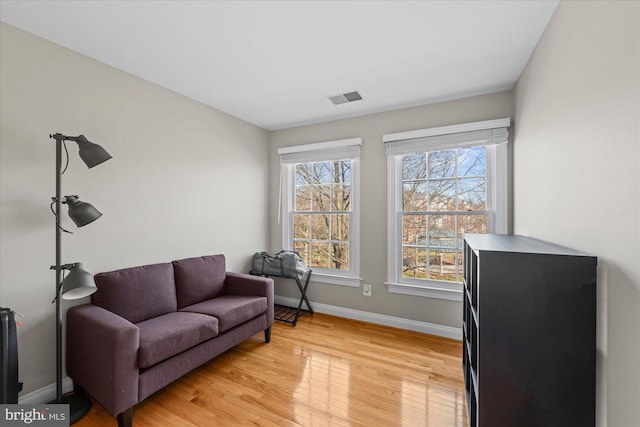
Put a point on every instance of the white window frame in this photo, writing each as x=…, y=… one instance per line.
x=490, y=133
x=324, y=151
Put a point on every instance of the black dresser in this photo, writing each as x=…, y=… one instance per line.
x=529, y=332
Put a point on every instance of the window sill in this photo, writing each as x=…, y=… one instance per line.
x=429, y=291
x=336, y=280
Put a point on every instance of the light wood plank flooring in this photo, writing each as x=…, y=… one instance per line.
x=326, y=371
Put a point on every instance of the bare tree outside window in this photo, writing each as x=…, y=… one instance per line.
x=322, y=214
x=444, y=195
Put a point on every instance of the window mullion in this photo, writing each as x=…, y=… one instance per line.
x=455, y=228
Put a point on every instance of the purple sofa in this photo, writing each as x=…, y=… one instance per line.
x=148, y=326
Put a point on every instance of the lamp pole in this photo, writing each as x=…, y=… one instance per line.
x=78, y=283
x=58, y=269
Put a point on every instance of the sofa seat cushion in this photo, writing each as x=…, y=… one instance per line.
x=173, y=333
x=231, y=310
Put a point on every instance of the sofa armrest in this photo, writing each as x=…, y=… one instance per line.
x=248, y=285
x=102, y=356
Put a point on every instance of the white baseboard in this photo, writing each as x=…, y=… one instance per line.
x=380, y=319
x=46, y=393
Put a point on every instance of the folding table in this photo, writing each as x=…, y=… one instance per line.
x=289, y=314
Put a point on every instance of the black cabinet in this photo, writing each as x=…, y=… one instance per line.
x=529, y=332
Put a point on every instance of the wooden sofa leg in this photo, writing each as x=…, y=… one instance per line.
x=125, y=419
x=77, y=388
x=267, y=334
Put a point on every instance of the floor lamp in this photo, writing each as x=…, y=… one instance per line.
x=78, y=283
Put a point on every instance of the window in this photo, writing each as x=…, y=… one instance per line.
x=320, y=184
x=444, y=195
x=321, y=214
x=443, y=182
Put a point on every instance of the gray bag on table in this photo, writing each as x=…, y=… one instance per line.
x=283, y=264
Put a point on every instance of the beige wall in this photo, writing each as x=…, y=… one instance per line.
x=373, y=202
x=576, y=173
x=172, y=189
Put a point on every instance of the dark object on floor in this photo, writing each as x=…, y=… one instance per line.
x=9, y=385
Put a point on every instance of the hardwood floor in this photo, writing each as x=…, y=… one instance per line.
x=326, y=371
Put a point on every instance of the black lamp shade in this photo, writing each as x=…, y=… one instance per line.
x=79, y=283
x=90, y=153
x=81, y=213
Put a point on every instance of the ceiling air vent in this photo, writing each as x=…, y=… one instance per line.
x=345, y=97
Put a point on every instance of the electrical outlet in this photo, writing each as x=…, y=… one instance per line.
x=366, y=290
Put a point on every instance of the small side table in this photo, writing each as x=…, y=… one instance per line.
x=286, y=314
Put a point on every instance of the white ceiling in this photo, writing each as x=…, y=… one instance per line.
x=276, y=63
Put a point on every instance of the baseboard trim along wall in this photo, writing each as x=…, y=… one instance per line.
x=380, y=319
x=45, y=394
x=48, y=393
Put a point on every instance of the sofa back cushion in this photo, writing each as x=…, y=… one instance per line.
x=137, y=293
x=199, y=279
